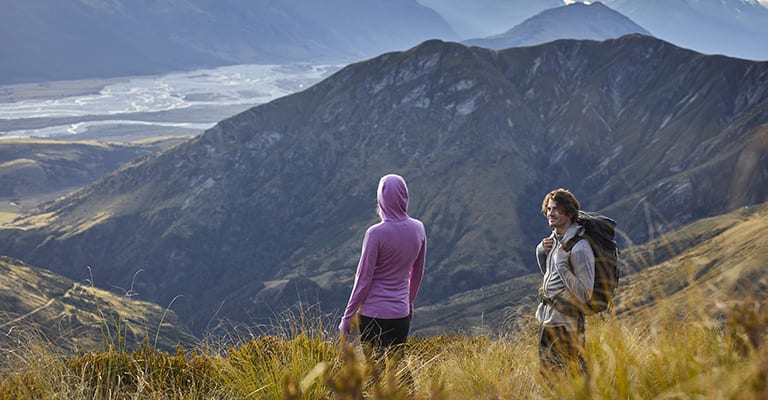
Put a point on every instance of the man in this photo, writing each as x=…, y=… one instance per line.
x=567, y=285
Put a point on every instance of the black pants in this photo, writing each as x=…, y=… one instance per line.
x=384, y=335
x=384, y=339
x=560, y=349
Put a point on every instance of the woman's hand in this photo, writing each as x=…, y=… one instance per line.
x=344, y=327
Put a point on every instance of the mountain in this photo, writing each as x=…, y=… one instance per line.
x=76, y=316
x=575, y=21
x=266, y=210
x=736, y=28
x=62, y=40
x=481, y=18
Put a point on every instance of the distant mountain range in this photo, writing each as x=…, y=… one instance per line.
x=266, y=210
x=575, y=21
x=735, y=28
x=47, y=40
x=481, y=18
x=58, y=40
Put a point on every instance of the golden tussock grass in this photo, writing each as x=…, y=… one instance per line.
x=687, y=330
x=674, y=352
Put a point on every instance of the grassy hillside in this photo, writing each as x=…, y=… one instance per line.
x=654, y=356
x=33, y=171
x=77, y=316
x=504, y=306
x=723, y=257
x=693, y=326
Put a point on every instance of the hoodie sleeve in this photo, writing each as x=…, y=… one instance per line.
x=541, y=258
x=363, y=278
x=417, y=272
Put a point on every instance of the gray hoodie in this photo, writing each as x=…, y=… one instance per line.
x=559, y=282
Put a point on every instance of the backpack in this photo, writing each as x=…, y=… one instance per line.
x=599, y=231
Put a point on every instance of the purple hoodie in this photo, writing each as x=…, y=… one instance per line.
x=392, y=260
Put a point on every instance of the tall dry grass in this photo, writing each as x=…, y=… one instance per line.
x=676, y=350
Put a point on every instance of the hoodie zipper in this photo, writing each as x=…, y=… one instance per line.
x=550, y=264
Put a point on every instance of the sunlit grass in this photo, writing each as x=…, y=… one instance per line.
x=6, y=217
x=684, y=332
x=672, y=352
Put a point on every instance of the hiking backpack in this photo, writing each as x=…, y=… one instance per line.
x=599, y=231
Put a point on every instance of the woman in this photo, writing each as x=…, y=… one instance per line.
x=389, y=272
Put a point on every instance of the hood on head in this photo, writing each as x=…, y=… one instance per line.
x=392, y=197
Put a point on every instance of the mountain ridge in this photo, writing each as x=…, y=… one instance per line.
x=98, y=39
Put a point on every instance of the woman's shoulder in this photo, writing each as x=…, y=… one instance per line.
x=387, y=225
x=416, y=221
x=418, y=226
x=373, y=228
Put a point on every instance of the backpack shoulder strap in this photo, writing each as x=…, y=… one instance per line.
x=568, y=246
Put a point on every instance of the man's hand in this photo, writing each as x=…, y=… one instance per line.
x=547, y=243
